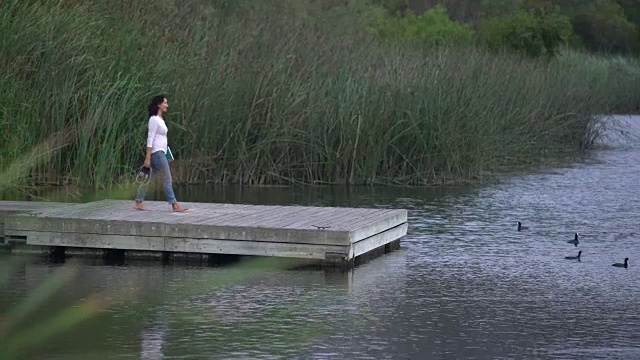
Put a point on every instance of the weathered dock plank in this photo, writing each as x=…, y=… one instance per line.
x=324, y=233
x=102, y=241
x=16, y=207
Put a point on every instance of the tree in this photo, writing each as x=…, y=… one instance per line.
x=433, y=28
x=631, y=9
x=535, y=32
x=603, y=26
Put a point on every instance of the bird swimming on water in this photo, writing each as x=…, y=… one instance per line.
x=626, y=263
x=574, y=257
x=520, y=227
x=574, y=241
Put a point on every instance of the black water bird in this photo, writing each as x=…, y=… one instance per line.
x=625, y=265
x=520, y=227
x=574, y=241
x=574, y=257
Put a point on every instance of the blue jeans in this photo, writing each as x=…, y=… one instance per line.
x=159, y=164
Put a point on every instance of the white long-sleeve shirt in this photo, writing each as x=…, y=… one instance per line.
x=157, y=136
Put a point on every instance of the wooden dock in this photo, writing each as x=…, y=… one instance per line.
x=328, y=235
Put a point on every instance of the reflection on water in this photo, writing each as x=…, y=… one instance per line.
x=152, y=341
x=465, y=284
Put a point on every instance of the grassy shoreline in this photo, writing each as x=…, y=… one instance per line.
x=278, y=96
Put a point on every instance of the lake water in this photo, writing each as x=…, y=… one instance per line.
x=465, y=284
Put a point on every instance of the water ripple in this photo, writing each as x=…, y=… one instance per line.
x=465, y=284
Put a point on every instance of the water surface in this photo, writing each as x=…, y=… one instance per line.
x=465, y=284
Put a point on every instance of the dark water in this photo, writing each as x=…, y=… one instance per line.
x=465, y=284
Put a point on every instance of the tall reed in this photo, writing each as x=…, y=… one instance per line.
x=281, y=92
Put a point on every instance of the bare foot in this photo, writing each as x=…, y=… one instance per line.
x=177, y=208
x=139, y=206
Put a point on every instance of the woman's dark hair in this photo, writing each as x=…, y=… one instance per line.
x=155, y=102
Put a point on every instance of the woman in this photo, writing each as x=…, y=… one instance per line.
x=156, y=158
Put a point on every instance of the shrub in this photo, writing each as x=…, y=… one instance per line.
x=393, y=7
x=603, y=26
x=433, y=28
x=534, y=34
x=631, y=10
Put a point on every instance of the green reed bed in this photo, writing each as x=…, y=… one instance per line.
x=297, y=93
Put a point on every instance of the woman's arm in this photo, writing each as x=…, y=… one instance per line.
x=147, y=159
x=153, y=126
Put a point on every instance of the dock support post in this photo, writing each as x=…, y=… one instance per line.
x=167, y=258
x=114, y=256
x=56, y=253
x=221, y=259
x=392, y=246
x=339, y=261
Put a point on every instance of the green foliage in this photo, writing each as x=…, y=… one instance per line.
x=603, y=26
x=297, y=92
x=532, y=33
x=392, y=7
x=631, y=9
x=433, y=28
x=496, y=8
x=600, y=25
